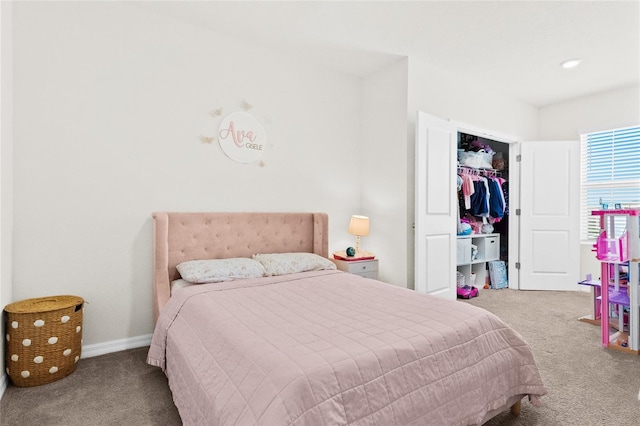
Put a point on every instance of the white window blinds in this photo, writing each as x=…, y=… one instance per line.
x=610, y=174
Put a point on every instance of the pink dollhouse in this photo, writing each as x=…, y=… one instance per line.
x=617, y=308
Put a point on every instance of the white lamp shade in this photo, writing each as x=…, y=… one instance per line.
x=359, y=225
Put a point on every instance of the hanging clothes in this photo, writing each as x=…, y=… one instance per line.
x=458, y=222
x=467, y=189
x=480, y=198
x=481, y=194
x=496, y=199
x=505, y=192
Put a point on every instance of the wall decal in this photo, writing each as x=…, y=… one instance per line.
x=242, y=137
x=216, y=113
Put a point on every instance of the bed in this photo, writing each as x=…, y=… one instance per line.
x=319, y=346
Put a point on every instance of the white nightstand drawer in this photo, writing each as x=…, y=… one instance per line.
x=373, y=274
x=361, y=266
x=364, y=268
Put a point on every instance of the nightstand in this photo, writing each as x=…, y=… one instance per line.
x=363, y=268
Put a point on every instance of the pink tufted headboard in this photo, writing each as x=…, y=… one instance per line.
x=178, y=237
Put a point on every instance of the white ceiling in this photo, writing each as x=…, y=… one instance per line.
x=514, y=47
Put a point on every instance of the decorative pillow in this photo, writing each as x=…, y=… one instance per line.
x=219, y=270
x=291, y=263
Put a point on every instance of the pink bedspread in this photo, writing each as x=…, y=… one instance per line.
x=331, y=348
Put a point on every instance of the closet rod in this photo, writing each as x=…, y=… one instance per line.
x=479, y=172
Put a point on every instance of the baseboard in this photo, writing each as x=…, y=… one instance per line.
x=97, y=349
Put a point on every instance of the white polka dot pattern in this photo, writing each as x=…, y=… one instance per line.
x=44, y=338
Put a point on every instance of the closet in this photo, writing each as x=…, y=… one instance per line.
x=482, y=175
x=539, y=239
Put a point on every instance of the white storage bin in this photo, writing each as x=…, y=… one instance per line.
x=476, y=160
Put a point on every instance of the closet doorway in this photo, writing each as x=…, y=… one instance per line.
x=483, y=162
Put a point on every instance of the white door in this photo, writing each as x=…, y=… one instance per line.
x=549, y=221
x=435, y=206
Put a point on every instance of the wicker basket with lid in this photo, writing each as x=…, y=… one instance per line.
x=44, y=339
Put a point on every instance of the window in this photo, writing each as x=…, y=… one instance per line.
x=610, y=175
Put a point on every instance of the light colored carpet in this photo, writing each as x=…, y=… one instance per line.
x=114, y=389
x=588, y=385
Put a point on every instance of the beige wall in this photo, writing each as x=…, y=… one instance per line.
x=109, y=103
x=609, y=110
x=384, y=179
x=6, y=166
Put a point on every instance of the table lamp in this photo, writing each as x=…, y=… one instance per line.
x=359, y=226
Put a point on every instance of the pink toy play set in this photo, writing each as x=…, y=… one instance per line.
x=617, y=308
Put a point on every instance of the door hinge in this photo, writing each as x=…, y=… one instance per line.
x=517, y=265
x=518, y=158
x=517, y=212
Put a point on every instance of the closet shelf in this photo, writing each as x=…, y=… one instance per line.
x=473, y=253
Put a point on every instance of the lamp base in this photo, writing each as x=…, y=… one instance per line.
x=360, y=255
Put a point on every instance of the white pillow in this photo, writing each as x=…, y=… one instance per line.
x=291, y=263
x=219, y=270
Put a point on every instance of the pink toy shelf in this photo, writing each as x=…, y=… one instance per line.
x=619, y=257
